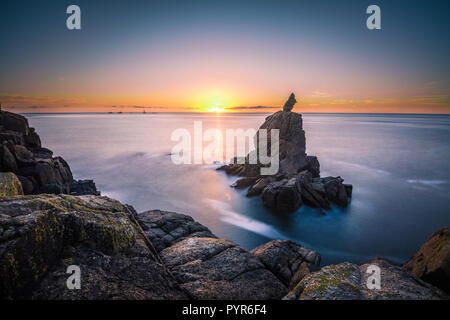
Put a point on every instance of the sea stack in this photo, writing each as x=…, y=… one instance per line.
x=298, y=180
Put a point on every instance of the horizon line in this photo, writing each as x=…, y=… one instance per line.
x=223, y=113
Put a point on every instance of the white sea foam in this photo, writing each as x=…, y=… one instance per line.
x=241, y=221
x=428, y=182
x=361, y=166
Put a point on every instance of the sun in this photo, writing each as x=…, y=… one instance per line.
x=216, y=109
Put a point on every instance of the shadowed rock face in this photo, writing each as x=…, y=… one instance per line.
x=432, y=262
x=36, y=168
x=298, y=180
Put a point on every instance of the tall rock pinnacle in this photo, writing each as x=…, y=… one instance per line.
x=290, y=103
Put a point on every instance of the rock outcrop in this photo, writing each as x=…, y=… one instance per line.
x=348, y=281
x=165, y=255
x=298, y=180
x=432, y=262
x=36, y=168
x=121, y=255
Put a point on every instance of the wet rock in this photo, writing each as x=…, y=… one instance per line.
x=342, y=197
x=432, y=262
x=258, y=187
x=243, y=183
x=348, y=189
x=313, y=198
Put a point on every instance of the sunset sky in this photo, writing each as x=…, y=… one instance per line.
x=225, y=55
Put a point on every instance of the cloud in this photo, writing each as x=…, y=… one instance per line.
x=26, y=107
x=320, y=94
x=251, y=108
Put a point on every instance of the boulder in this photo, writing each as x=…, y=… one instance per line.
x=10, y=185
x=243, y=183
x=258, y=187
x=167, y=228
x=284, y=258
x=209, y=268
x=348, y=281
x=432, y=262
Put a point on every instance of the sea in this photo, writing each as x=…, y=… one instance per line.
x=398, y=164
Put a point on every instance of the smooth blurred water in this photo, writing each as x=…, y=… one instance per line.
x=398, y=164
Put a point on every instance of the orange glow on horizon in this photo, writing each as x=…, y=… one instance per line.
x=220, y=101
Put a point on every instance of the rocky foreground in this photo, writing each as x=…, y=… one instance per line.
x=298, y=180
x=165, y=255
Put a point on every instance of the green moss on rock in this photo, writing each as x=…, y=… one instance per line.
x=9, y=185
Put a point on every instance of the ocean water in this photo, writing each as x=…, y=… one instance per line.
x=398, y=165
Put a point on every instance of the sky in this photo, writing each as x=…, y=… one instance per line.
x=235, y=56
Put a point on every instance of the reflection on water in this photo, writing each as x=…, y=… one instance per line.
x=399, y=166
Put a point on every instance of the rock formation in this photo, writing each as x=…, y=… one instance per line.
x=432, y=262
x=36, y=168
x=298, y=181
x=290, y=103
x=164, y=255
